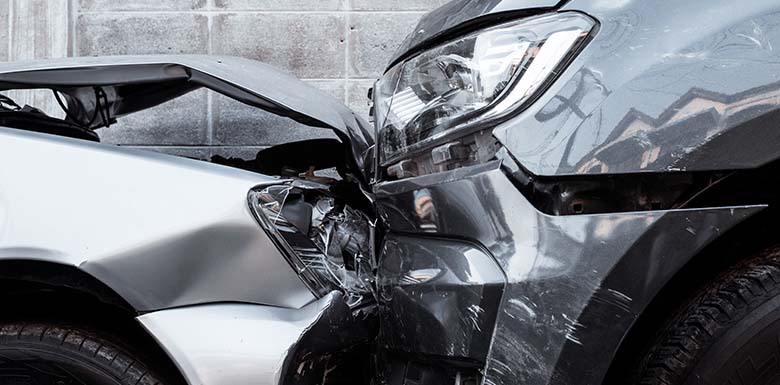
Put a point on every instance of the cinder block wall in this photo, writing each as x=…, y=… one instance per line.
x=336, y=45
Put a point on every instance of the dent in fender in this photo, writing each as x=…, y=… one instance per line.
x=202, y=241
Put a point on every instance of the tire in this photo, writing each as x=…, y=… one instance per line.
x=728, y=334
x=50, y=354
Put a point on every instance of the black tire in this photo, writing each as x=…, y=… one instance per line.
x=728, y=334
x=50, y=354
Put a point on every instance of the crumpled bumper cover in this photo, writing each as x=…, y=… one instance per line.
x=253, y=344
x=574, y=284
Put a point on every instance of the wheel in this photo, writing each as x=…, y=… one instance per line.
x=50, y=354
x=728, y=334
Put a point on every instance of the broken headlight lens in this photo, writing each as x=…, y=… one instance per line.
x=325, y=242
x=485, y=75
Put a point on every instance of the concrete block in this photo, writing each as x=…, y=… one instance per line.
x=357, y=96
x=374, y=37
x=242, y=152
x=4, y=7
x=140, y=5
x=182, y=121
x=281, y=5
x=122, y=34
x=41, y=99
x=236, y=124
x=39, y=29
x=307, y=45
x=199, y=153
x=397, y=5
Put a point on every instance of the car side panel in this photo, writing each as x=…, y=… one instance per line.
x=161, y=231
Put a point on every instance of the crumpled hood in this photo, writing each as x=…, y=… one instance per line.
x=133, y=83
x=437, y=25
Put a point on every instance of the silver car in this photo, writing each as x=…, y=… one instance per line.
x=123, y=266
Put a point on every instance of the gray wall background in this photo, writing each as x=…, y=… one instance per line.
x=338, y=46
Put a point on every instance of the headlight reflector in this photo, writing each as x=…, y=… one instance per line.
x=486, y=74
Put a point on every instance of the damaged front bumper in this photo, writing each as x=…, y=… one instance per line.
x=328, y=341
x=470, y=284
x=255, y=344
x=573, y=286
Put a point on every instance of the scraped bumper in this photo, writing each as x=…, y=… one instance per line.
x=253, y=344
x=574, y=284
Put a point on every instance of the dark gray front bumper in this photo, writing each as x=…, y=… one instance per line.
x=574, y=284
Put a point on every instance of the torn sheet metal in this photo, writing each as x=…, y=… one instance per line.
x=563, y=312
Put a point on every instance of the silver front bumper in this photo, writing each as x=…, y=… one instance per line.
x=234, y=343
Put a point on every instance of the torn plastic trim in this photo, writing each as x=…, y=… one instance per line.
x=327, y=242
x=336, y=348
x=572, y=195
x=449, y=289
x=637, y=192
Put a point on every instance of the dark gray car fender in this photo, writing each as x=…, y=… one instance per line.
x=664, y=85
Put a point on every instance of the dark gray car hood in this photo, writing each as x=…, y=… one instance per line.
x=450, y=18
x=134, y=83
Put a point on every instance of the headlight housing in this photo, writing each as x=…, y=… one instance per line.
x=485, y=75
x=325, y=243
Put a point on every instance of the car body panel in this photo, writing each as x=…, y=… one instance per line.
x=651, y=92
x=134, y=83
x=441, y=22
x=230, y=343
x=654, y=92
x=661, y=87
x=247, y=344
x=557, y=267
x=448, y=290
x=159, y=230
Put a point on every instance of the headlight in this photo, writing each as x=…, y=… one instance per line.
x=325, y=244
x=485, y=75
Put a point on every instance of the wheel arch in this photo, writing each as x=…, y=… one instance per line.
x=743, y=240
x=36, y=289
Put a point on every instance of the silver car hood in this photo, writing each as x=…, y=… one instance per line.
x=133, y=83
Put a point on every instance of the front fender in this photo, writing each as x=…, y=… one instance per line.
x=160, y=231
x=664, y=85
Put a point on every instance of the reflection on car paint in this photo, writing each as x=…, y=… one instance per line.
x=657, y=94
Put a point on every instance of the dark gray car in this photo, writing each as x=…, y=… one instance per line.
x=553, y=192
